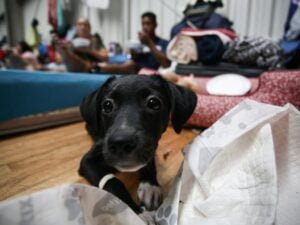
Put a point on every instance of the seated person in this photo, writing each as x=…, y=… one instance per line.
x=153, y=58
x=22, y=57
x=84, y=50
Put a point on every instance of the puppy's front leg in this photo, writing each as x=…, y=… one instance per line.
x=149, y=192
x=96, y=171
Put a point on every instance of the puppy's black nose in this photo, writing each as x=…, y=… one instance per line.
x=122, y=144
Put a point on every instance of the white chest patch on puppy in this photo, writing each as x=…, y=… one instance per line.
x=150, y=195
x=129, y=169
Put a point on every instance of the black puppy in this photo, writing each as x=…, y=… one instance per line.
x=126, y=118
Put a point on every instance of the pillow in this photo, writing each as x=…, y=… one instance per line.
x=228, y=84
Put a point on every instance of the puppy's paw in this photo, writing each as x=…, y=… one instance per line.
x=150, y=195
x=148, y=217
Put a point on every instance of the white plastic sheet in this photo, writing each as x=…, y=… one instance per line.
x=67, y=205
x=245, y=169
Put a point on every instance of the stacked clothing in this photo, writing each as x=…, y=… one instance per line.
x=213, y=46
x=205, y=45
x=257, y=51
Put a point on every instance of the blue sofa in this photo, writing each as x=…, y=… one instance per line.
x=24, y=93
x=27, y=93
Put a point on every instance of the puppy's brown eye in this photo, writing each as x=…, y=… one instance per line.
x=107, y=106
x=154, y=103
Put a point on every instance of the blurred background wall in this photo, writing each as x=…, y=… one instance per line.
x=121, y=20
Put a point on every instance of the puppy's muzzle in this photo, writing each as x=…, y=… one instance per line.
x=122, y=143
x=125, y=151
x=127, y=148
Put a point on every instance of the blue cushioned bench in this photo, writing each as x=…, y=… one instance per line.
x=27, y=93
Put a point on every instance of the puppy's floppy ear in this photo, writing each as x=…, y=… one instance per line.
x=183, y=102
x=89, y=109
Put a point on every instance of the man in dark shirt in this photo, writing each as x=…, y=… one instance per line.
x=153, y=55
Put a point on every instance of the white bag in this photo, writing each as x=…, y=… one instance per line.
x=245, y=169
